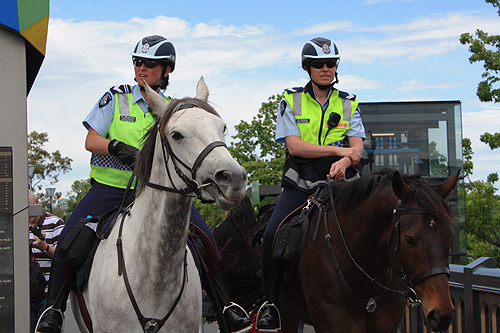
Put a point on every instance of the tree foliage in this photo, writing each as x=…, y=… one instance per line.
x=485, y=48
x=48, y=166
x=254, y=146
x=482, y=209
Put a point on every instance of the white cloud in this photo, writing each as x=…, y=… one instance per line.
x=242, y=65
x=415, y=84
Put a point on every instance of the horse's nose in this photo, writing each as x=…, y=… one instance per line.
x=223, y=176
x=438, y=320
x=226, y=176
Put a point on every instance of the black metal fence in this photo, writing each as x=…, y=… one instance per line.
x=475, y=289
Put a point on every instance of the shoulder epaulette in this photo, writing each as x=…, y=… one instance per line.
x=294, y=90
x=121, y=89
x=346, y=95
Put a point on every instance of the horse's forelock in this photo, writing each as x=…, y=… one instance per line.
x=144, y=159
x=178, y=104
x=427, y=197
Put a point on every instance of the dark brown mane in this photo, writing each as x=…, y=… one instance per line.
x=144, y=160
x=351, y=194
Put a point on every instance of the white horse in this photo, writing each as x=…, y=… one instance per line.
x=183, y=155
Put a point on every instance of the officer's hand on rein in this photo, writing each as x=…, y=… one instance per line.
x=124, y=152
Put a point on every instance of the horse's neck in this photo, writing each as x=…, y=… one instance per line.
x=158, y=221
x=367, y=229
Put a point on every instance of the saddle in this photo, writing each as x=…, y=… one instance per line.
x=290, y=237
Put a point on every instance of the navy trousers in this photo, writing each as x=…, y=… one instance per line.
x=102, y=198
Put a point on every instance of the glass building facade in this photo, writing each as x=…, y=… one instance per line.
x=419, y=138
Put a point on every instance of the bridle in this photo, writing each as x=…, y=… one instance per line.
x=396, y=231
x=192, y=187
x=371, y=305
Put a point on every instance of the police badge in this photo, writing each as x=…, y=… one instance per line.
x=326, y=49
x=145, y=48
x=105, y=100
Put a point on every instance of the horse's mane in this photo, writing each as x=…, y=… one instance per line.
x=144, y=159
x=350, y=195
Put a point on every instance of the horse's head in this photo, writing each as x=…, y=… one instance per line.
x=191, y=134
x=425, y=237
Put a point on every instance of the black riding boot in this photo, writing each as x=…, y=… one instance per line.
x=59, y=289
x=269, y=315
x=236, y=318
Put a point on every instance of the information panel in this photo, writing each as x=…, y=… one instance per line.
x=6, y=242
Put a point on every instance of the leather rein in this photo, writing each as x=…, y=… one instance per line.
x=371, y=305
x=192, y=187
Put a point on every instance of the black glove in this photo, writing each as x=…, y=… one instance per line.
x=124, y=152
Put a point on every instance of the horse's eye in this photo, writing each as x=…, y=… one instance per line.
x=225, y=129
x=176, y=136
x=410, y=241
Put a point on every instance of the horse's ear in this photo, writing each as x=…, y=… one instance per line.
x=202, y=90
x=399, y=187
x=157, y=103
x=448, y=185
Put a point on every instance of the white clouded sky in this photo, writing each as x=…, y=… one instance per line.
x=395, y=50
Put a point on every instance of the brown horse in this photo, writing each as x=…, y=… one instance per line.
x=385, y=243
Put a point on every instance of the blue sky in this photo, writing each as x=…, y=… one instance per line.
x=392, y=50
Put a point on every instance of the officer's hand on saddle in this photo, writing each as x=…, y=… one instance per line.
x=124, y=152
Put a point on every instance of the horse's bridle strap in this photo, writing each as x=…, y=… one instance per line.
x=429, y=273
x=203, y=154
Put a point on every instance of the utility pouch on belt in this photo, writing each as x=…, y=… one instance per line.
x=290, y=238
x=77, y=244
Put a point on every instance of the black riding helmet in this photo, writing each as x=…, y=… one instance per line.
x=320, y=48
x=157, y=48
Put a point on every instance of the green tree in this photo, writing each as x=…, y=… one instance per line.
x=48, y=166
x=78, y=190
x=482, y=209
x=485, y=48
x=253, y=146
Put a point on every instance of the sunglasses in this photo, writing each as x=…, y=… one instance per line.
x=319, y=64
x=148, y=63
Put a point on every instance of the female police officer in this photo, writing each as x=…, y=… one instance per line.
x=324, y=134
x=115, y=127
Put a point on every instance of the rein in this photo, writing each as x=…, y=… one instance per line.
x=148, y=324
x=371, y=304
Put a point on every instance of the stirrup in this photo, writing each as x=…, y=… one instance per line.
x=232, y=304
x=257, y=317
x=43, y=315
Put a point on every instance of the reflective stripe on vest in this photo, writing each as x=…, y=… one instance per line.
x=129, y=125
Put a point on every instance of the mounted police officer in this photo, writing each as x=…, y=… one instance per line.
x=323, y=132
x=115, y=127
